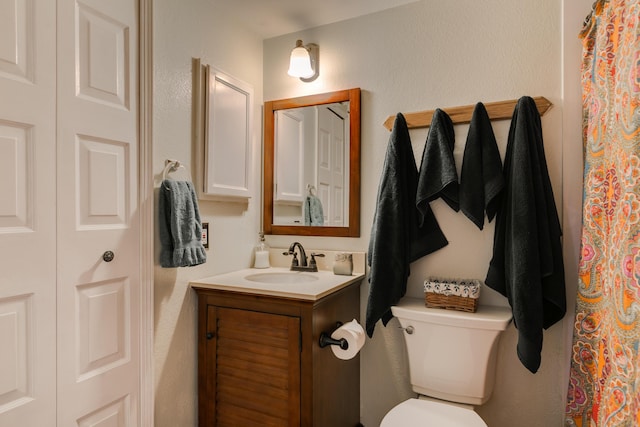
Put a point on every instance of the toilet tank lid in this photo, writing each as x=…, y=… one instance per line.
x=421, y=413
x=486, y=317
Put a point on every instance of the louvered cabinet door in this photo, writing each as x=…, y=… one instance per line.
x=253, y=368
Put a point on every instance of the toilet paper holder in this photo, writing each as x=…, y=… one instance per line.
x=325, y=340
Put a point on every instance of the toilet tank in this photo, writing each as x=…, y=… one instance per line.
x=452, y=354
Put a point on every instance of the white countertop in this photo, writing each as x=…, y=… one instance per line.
x=312, y=290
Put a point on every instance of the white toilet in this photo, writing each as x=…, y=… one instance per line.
x=451, y=363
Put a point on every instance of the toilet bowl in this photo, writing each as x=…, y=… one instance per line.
x=422, y=413
x=451, y=363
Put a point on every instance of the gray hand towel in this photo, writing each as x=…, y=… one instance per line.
x=313, y=213
x=438, y=176
x=481, y=178
x=179, y=225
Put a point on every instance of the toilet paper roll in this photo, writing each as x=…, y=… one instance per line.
x=354, y=333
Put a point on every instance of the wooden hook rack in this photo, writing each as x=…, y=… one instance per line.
x=501, y=110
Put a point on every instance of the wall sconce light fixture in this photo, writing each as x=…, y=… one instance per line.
x=305, y=61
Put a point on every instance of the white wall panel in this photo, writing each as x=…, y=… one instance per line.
x=103, y=323
x=15, y=177
x=16, y=352
x=115, y=414
x=16, y=39
x=103, y=182
x=103, y=52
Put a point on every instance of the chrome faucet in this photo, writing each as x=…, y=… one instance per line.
x=302, y=264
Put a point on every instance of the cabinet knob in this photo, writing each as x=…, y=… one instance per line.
x=210, y=335
x=108, y=256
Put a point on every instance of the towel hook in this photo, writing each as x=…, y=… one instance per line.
x=171, y=165
x=311, y=189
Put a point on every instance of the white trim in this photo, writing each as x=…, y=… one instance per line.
x=146, y=209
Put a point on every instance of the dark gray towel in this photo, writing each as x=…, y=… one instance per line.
x=179, y=225
x=527, y=265
x=481, y=178
x=396, y=239
x=438, y=176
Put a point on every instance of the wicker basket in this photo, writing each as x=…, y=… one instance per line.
x=450, y=294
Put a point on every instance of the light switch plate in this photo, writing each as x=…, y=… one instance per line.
x=205, y=235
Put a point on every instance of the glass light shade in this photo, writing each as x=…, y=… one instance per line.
x=300, y=63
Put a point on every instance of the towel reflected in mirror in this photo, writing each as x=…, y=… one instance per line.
x=313, y=212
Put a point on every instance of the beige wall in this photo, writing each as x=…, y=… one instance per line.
x=420, y=56
x=182, y=30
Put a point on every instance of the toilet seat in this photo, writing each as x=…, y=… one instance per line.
x=426, y=413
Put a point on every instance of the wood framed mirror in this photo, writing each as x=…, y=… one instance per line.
x=311, y=159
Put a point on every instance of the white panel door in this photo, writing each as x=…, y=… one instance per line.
x=98, y=298
x=331, y=161
x=27, y=225
x=289, y=157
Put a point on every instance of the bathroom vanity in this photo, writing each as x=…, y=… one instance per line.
x=259, y=357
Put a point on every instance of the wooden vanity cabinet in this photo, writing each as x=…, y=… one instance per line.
x=260, y=362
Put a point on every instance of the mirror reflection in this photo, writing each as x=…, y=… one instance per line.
x=312, y=165
x=311, y=159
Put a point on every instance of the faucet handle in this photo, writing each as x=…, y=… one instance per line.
x=294, y=261
x=313, y=258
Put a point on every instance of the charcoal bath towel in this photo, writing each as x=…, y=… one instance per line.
x=396, y=239
x=179, y=225
x=481, y=178
x=438, y=176
x=527, y=265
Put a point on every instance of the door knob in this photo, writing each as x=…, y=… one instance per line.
x=108, y=256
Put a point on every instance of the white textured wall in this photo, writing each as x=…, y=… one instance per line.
x=441, y=54
x=182, y=30
x=420, y=56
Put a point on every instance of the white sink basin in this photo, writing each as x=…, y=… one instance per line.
x=282, y=277
x=279, y=281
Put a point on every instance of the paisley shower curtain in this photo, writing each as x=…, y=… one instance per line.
x=604, y=383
